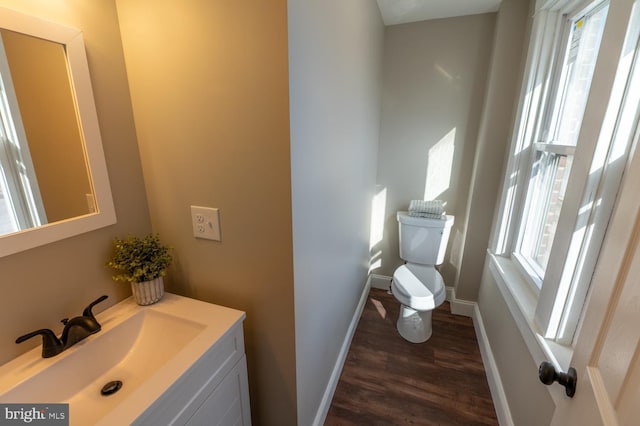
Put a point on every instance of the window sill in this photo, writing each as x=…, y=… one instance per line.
x=521, y=301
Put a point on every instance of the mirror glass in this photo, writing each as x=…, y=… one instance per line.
x=53, y=177
x=39, y=124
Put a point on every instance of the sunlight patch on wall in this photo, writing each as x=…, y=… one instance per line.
x=439, y=166
x=376, y=261
x=444, y=73
x=378, y=205
x=453, y=80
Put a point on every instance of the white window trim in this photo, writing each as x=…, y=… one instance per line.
x=521, y=301
x=526, y=306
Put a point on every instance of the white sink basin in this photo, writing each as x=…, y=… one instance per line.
x=147, y=348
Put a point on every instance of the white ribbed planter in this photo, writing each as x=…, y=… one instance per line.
x=148, y=292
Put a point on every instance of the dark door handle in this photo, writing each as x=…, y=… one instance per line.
x=548, y=375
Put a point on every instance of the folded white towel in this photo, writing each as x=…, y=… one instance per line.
x=427, y=215
x=432, y=207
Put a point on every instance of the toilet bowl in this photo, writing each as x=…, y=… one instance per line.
x=419, y=289
x=417, y=285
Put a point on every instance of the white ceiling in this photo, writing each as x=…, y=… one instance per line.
x=403, y=11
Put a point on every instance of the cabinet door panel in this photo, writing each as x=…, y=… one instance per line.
x=228, y=404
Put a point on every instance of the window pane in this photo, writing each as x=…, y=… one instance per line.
x=577, y=71
x=548, y=185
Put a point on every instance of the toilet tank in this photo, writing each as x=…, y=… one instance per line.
x=423, y=240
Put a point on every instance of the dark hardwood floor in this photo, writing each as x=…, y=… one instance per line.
x=389, y=381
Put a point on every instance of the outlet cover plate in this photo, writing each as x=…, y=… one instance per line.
x=206, y=223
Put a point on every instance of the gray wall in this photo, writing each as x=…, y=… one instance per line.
x=494, y=136
x=335, y=54
x=434, y=83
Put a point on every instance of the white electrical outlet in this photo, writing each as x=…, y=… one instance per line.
x=206, y=223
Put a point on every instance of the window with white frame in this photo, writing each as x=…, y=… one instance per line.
x=557, y=135
x=568, y=156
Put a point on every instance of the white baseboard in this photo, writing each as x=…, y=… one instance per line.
x=325, y=404
x=459, y=306
x=451, y=293
x=491, y=370
x=381, y=282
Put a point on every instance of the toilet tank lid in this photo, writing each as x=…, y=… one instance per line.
x=403, y=217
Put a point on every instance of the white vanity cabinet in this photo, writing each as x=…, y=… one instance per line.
x=180, y=361
x=214, y=391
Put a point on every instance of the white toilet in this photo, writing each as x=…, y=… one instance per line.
x=417, y=285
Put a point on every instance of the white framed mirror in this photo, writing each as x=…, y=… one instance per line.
x=53, y=176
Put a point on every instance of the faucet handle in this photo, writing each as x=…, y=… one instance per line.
x=51, y=345
x=87, y=311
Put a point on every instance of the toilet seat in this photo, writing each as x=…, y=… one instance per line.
x=419, y=287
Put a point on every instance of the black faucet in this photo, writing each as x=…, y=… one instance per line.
x=75, y=330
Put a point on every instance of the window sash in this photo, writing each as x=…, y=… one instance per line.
x=548, y=184
x=575, y=52
x=582, y=36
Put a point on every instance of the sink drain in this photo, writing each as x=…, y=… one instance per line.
x=111, y=387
